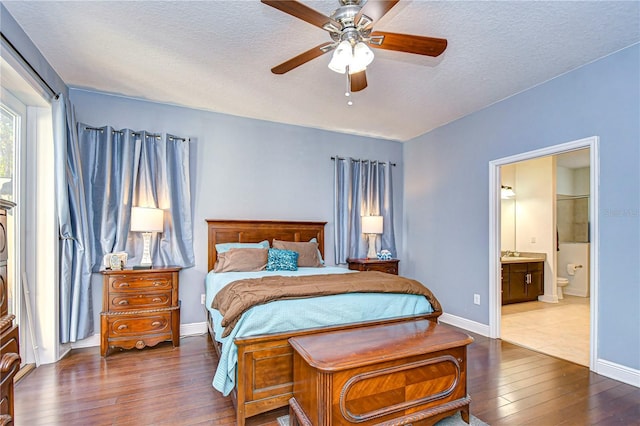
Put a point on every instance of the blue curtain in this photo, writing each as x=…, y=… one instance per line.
x=362, y=188
x=75, y=304
x=126, y=168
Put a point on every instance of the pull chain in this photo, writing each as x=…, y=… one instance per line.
x=347, y=93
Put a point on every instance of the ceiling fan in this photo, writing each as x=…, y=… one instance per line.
x=351, y=29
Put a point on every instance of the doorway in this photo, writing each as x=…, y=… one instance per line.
x=551, y=269
x=546, y=214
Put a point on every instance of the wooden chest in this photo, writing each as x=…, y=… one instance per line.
x=139, y=308
x=393, y=374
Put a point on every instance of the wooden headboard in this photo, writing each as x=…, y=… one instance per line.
x=254, y=231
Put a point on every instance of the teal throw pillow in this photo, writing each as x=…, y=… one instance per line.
x=282, y=260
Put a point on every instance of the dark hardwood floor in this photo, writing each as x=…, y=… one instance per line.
x=509, y=385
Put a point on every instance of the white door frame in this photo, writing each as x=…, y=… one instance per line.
x=494, y=232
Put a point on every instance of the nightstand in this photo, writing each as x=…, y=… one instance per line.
x=389, y=266
x=139, y=308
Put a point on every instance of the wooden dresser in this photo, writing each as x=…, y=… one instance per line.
x=9, y=338
x=139, y=308
x=389, y=266
x=399, y=373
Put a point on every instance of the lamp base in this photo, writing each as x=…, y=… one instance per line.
x=371, y=254
x=145, y=263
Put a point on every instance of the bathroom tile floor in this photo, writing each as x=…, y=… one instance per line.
x=558, y=329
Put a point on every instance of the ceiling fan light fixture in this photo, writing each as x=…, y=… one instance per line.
x=362, y=57
x=350, y=27
x=342, y=57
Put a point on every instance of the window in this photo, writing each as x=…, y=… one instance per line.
x=9, y=122
x=11, y=134
x=26, y=178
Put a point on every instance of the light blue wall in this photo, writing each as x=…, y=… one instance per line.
x=447, y=191
x=244, y=169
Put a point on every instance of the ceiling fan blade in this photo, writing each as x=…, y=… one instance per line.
x=301, y=11
x=375, y=9
x=303, y=58
x=358, y=81
x=419, y=45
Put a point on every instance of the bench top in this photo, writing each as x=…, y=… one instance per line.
x=343, y=349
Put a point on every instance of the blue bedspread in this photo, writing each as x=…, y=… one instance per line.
x=294, y=314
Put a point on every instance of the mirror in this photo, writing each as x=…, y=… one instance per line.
x=508, y=224
x=508, y=209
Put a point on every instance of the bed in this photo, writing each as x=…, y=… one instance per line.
x=256, y=368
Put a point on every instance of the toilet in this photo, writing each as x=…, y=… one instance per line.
x=561, y=282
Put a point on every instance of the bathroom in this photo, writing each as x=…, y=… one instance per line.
x=547, y=217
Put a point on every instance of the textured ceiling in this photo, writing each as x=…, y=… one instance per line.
x=217, y=56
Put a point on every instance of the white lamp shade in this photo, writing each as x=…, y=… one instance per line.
x=372, y=224
x=147, y=219
x=362, y=56
x=342, y=56
x=506, y=192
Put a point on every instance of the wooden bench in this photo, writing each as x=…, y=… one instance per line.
x=391, y=374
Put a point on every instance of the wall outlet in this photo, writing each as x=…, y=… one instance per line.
x=533, y=240
x=202, y=299
x=476, y=299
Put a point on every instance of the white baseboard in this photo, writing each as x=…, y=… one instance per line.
x=472, y=326
x=618, y=372
x=548, y=298
x=192, y=329
x=578, y=293
x=89, y=342
x=64, y=350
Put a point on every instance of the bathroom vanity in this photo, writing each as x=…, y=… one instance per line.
x=522, y=279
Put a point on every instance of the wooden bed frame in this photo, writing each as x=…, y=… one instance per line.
x=265, y=363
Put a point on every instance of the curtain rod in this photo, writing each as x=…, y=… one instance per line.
x=153, y=135
x=357, y=159
x=28, y=65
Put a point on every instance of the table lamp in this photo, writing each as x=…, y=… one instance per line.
x=146, y=220
x=372, y=226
